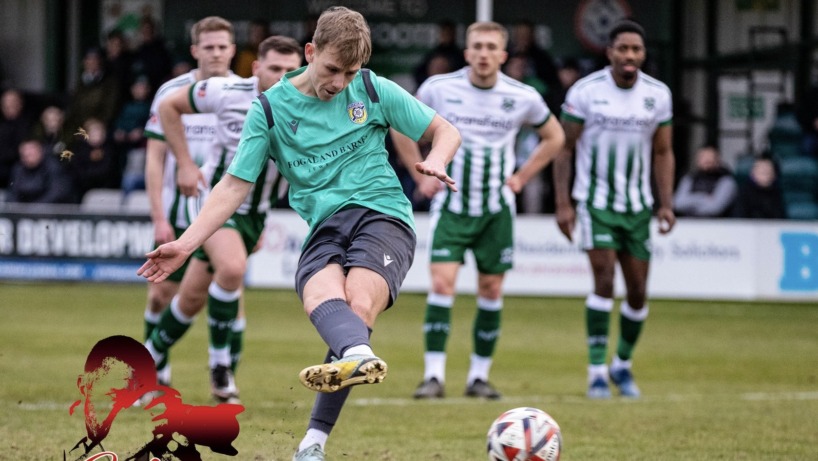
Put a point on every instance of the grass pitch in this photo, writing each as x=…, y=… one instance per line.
x=720, y=380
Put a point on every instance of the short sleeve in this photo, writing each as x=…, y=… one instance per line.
x=665, y=113
x=206, y=96
x=404, y=112
x=573, y=109
x=153, y=128
x=538, y=111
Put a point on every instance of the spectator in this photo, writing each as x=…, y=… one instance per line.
x=446, y=49
x=96, y=95
x=257, y=31
x=540, y=61
x=180, y=67
x=14, y=126
x=439, y=64
x=516, y=67
x=50, y=130
x=152, y=57
x=118, y=61
x=37, y=177
x=760, y=197
x=128, y=141
x=709, y=190
x=568, y=73
x=91, y=164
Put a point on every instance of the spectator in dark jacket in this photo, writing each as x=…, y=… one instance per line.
x=92, y=160
x=446, y=52
x=709, y=190
x=37, y=177
x=761, y=197
x=50, y=131
x=152, y=57
x=14, y=127
x=96, y=95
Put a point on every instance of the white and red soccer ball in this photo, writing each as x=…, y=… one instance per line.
x=524, y=434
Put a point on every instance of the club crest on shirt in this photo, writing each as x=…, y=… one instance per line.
x=650, y=103
x=357, y=112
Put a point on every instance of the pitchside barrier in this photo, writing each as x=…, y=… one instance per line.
x=700, y=259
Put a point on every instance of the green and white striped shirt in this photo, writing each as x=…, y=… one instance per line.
x=488, y=120
x=613, y=154
x=200, y=133
x=230, y=98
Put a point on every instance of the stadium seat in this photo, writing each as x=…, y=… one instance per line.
x=795, y=195
x=802, y=210
x=744, y=163
x=785, y=136
x=799, y=175
x=137, y=202
x=102, y=201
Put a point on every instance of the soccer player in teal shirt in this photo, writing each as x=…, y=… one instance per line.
x=325, y=125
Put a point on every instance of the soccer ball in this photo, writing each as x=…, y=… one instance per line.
x=524, y=434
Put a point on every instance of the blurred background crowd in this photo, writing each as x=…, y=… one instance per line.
x=56, y=146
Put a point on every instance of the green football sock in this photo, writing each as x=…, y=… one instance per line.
x=236, y=343
x=173, y=324
x=486, y=327
x=597, y=323
x=437, y=322
x=222, y=309
x=151, y=320
x=630, y=327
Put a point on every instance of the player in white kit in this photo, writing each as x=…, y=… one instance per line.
x=216, y=271
x=488, y=108
x=618, y=124
x=213, y=47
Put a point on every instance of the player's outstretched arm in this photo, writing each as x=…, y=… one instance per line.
x=552, y=139
x=188, y=175
x=563, y=171
x=445, y=141
x=222, y=202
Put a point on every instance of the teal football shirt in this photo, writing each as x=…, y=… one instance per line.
x=332, y=152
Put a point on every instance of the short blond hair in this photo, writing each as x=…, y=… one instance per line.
x=347, y=32
x=211, y=24
x=488, y=26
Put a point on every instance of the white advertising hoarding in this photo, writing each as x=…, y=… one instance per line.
x=700, y=259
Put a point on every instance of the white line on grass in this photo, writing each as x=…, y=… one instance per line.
x=47, y=405
x=521, y=400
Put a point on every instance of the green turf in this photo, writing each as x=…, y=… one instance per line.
x=721, y=380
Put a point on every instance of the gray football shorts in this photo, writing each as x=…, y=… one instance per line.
x=359, y=237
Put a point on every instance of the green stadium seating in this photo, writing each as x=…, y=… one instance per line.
x=802, y=210
x=799, y=175
x=785, y=136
